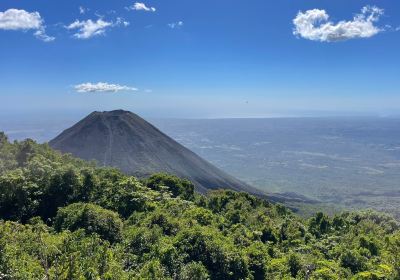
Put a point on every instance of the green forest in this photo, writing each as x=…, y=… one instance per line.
x=64, y=218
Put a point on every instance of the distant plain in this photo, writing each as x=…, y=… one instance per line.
x=343, y=163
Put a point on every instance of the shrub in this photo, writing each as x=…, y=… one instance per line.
x=91, y=218
x=177, y=186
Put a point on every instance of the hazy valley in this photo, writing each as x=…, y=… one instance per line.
x=349, y=162
x=340, y=162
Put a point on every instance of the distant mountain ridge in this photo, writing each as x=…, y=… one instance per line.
x=124, y=140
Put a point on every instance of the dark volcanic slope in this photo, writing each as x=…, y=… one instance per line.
x=124, y=140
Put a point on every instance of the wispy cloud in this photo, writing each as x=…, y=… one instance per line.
x=88, y=28
x=14, y=19
x=122, y=21
x=141, y=7
x=82, y=10
x=315, y=25
x=102, y=87
x=41, y=34
x=174, y=25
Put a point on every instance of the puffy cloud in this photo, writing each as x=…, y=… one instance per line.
x=14, y=19
x=315, y=25
x=141, y=7
x=102, y=87
x=174, y=25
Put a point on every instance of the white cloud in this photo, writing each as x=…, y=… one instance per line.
x=14, y=19
x=315, y=25
x=102, y=87
x=141, y=7
x=174, y=25
x=89, y=28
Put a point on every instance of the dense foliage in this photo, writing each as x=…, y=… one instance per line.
x=63, y=218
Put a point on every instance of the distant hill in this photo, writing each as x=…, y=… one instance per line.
x=123, y=140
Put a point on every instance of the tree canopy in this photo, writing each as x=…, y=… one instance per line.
x=64, y=218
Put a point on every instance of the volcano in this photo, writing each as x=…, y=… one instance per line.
x=123, y=140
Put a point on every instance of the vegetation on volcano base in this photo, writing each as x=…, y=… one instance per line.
x=64, y=218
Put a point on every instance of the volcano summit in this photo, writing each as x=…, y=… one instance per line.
x=124, y=140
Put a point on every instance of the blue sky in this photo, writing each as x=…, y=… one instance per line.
x=207, y=58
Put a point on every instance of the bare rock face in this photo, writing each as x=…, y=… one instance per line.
x=123, y=140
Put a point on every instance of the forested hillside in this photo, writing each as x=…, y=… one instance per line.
x=64, y=218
